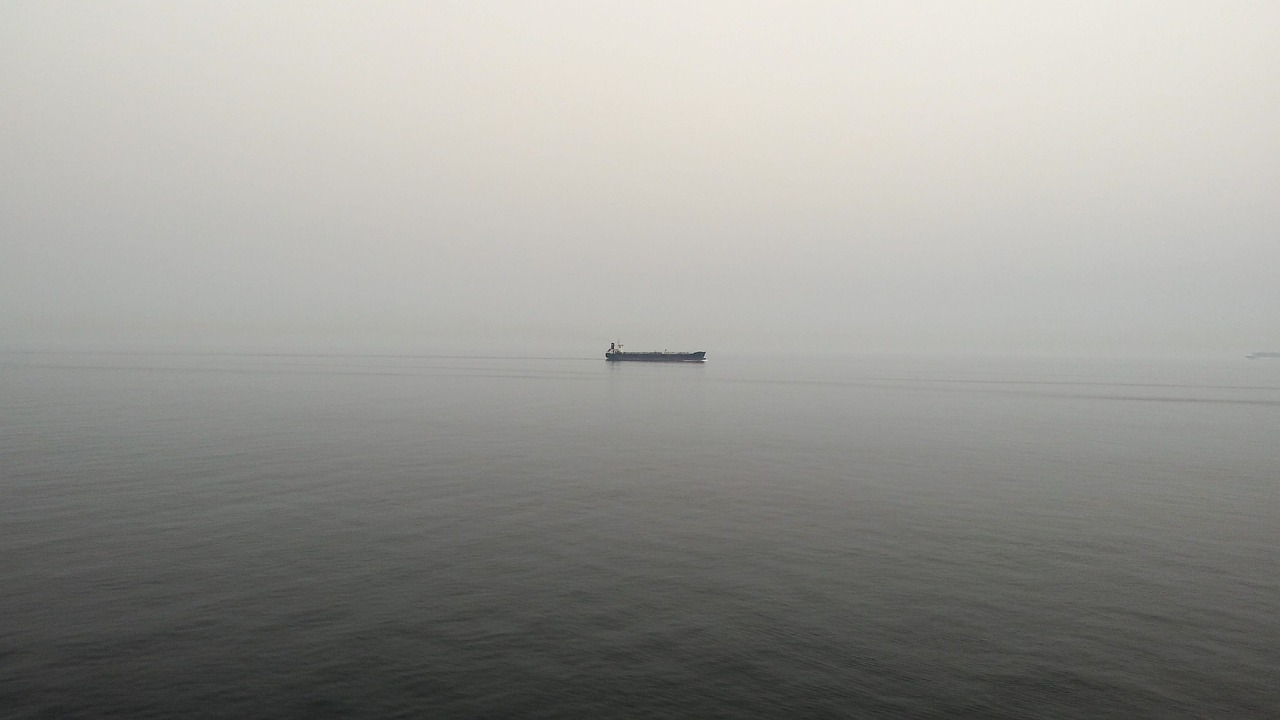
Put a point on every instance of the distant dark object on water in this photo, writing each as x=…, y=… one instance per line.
x=1257, y=355
x=615, y=353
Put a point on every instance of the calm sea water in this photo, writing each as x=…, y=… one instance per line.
x=352, y=536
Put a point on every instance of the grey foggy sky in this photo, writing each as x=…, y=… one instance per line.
x=545, y=177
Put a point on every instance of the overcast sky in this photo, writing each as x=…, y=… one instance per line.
x=549, y=176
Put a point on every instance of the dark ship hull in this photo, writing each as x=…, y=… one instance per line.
x=656, y=356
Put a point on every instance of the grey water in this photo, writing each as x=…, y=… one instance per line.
x=231, y=536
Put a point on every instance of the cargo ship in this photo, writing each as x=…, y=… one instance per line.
x=615, y=353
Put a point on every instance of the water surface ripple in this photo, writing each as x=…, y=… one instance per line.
x=392, y=536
